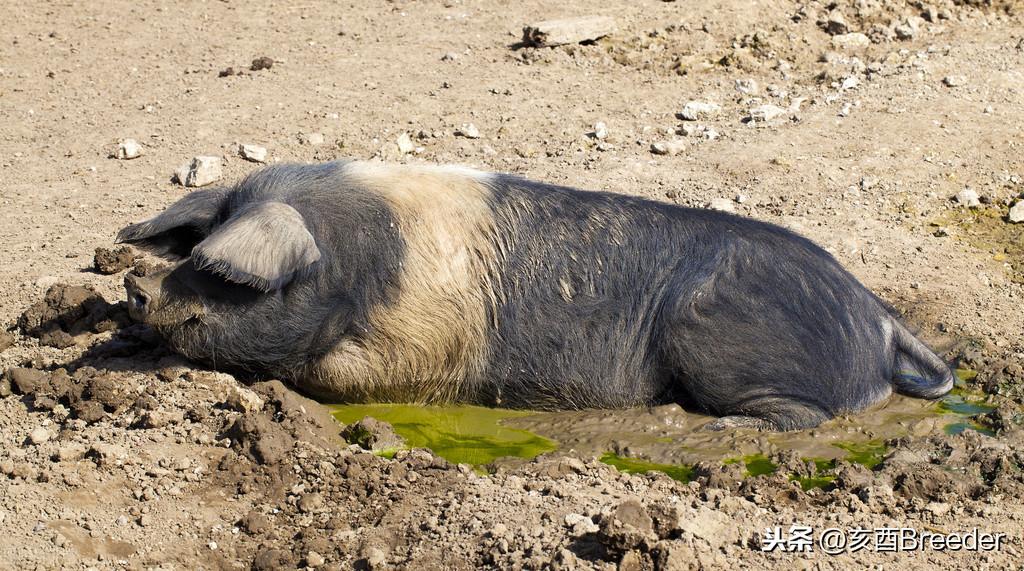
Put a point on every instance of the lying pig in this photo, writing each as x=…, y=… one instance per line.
x=362, y=282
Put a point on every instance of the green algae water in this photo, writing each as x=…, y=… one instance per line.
x=461, y=434
x=682, y=473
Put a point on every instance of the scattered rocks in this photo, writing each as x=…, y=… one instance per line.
x=203, y=170
x=699, y=110
x=468, y=130
x=568, y=31
x=107, y=261
x=669, y=148
x=128, y=149
x=254, y=153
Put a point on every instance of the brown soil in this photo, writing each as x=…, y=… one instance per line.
x=118, y=454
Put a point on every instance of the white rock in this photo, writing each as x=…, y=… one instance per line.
x=844, y=111
x=469, y=131
x=600, y=131
x=747, y=86
x=202, y=171
x=38, y=435
x=968, y=197
x=850, y=41
x=954, y=80
x=128, y=149
x=670, y=148
x=1017, y=212
x=849, y=83
x=253, y=153
x=710, y=134
x=314, y=559
x=723, y=204
x=766, y=112
x=312, y=139
x=697, y=110
x=405, y=145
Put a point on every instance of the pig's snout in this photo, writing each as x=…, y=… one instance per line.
x=143, y=295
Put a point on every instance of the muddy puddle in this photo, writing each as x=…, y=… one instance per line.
x=667, y=438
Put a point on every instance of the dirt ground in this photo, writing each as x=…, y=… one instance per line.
x=116, y=454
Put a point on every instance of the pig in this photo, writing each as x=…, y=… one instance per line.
x=364, y=282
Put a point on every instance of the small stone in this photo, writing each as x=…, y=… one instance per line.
x=723, y=204
x=128, y=149
x=851, y=41
x=405, y=144
x=849, y=83
x=310, y=503
x=845, y=110
x=106, y=454
x=311, y=139
x=241, y=399
x=747, y=86
x=670, y=148
x=836, y=24
x=203, y=170
x=314, y=559
x=450, y=56
x=254, y=153
x=261, y=63
x=909, y=28
x=969, y=198
x=697, y=110
x=468, y=130
x=375, y=558
x=145, y=520
x=954, y=80
x=1017, y=212
x=600, y=131
x=38, y=435
x=765, y=113
x=6, y=340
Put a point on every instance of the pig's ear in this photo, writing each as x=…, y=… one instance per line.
x=175, y=231
x=263, y=246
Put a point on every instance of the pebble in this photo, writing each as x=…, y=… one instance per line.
x=670, y=148
x=405, y=144
x=747, y=86
x=849, y=83
x=38, y=435
x=723, y=204
x=852, y=40
x=312, y=139
x=600, y=131
x=697, y=110
x=845, y=110
x=314, y=559
x=375, y=558
x=203, y=170
x=468, y=130
x=968, y=197
x=836, y=24
x=954, y=80
x=253, y=153
x=128, y=149
x=1017, y=212
x=765, y=113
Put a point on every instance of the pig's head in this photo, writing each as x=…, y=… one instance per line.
x=247, y=290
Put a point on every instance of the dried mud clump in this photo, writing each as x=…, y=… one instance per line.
x=68, y=311
x=372, y=434
x=111, y=261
